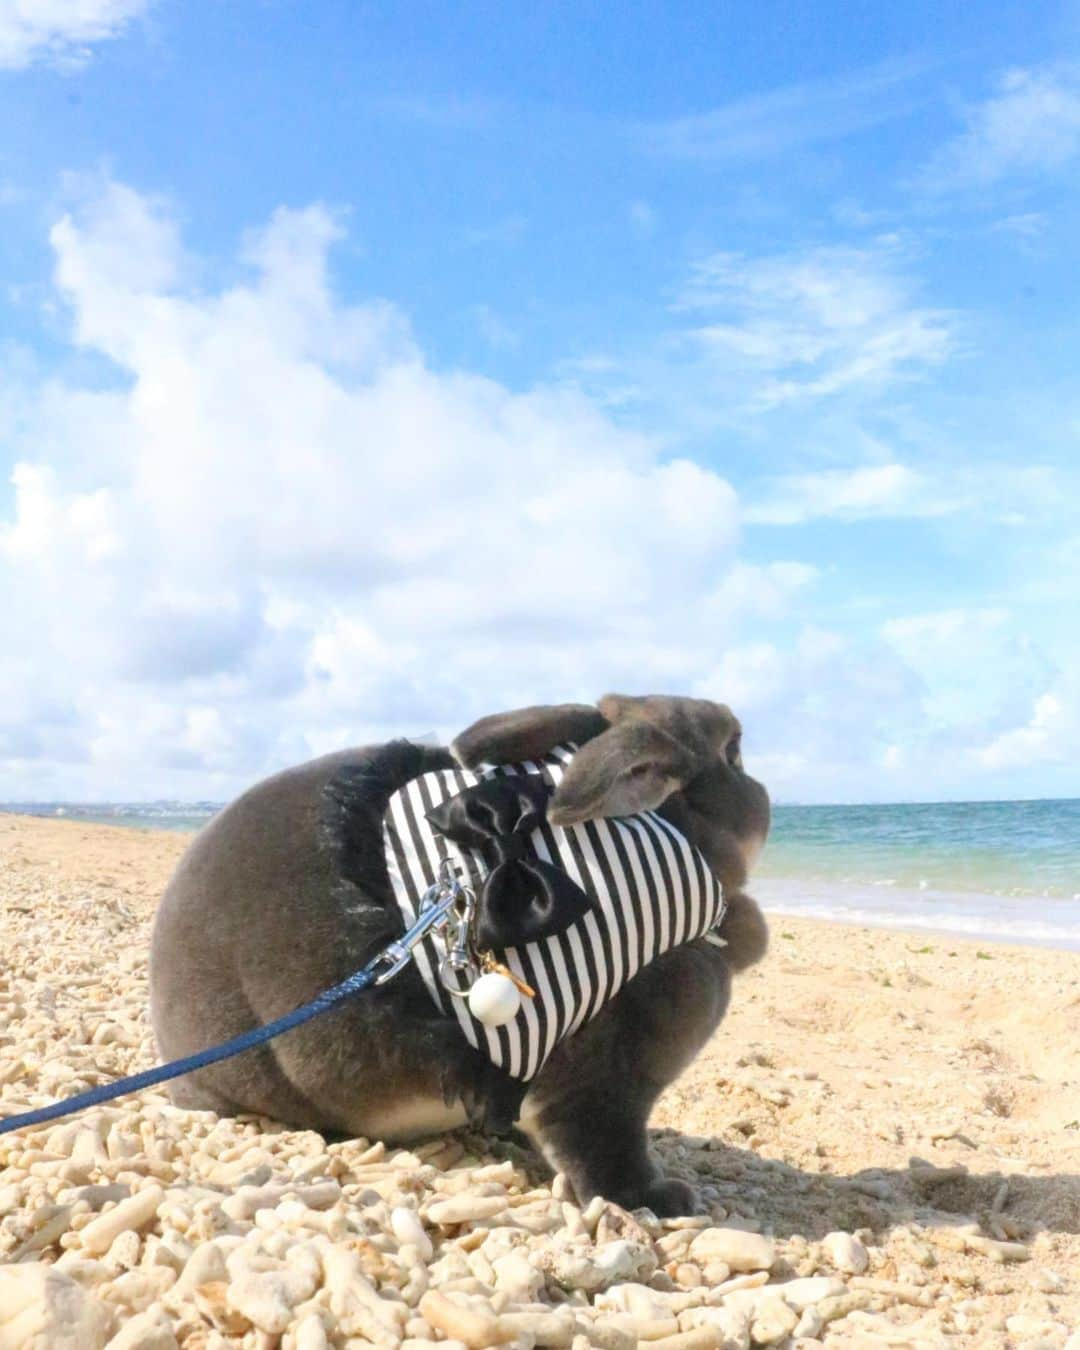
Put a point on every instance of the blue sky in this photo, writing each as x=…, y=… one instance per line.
x=365, y=368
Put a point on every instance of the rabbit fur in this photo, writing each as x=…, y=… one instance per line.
x=285, y=893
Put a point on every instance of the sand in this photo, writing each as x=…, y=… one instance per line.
x=918, y=1094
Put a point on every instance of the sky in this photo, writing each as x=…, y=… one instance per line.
x=366, y=368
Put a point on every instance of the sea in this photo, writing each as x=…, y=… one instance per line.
x=993, y=871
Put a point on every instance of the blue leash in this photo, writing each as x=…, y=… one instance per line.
x=396, y=957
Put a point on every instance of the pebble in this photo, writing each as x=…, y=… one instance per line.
x=517, y=1277
x=733, y=1323
x=475, y=1327
x=846, y=1253
x=773, y=1321
x=706, y=1337
x=561, y=1188
x=832, y=1309
x=127, y=1215
x=688, y=1275
x=809, y=1326
x=903, y=1293
x=267, y=1298
x=738, y=1250
x=45, y=1309
x=636, y=1299
x=407, y=1228
x=310, y=1334
x=466, y=1209
x=806, y=1292
x=996, y=1250
x=542, y=1328
x=598, y=1268
x=149, y=1330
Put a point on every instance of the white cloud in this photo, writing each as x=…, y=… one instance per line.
x=1030, y=125
x=1024, y=225
x=894, y=758
x=982, y=671
x=831, y=717
x=764, y=592
x=496, y=332
x=60, y=31
x=282, y=530
x=277, y=530
x=815, y=323
x=788, y=118
x=1050, y=736
x=875, y=491
x=929, y=633
x=820, y=714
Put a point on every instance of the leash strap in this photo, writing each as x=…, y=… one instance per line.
x=443, y=896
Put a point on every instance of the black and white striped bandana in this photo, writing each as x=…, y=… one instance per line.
x=651, y=889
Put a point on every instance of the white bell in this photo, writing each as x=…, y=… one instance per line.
x=494, y=999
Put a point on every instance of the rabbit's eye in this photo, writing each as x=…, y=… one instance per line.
x=734, y=751
x=638, y=770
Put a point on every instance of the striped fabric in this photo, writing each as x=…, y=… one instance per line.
x=652, y=890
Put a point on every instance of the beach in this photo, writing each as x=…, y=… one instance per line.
x=917, y=1093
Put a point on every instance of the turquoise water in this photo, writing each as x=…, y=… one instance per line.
x=1005, y=871
x=1000, y=848
x=996, y=871
x=183, y=816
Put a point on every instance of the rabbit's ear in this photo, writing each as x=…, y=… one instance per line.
x=510, y=738
x=631, y=768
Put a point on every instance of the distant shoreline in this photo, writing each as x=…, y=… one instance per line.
x=46, y=807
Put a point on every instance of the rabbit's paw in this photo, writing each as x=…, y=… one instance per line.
x=492, y=1099
x=669, y=1198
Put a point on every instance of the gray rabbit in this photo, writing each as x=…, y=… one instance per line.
x=287, y=891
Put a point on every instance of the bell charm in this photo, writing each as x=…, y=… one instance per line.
x=494, y=999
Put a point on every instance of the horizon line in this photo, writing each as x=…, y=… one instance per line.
x=10, y=806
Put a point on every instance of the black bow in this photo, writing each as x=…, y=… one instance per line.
x=523, y=899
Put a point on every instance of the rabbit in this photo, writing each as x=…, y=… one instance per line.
x=286, y=892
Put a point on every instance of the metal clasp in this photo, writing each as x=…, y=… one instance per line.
x=434, y=913
x=459, y=964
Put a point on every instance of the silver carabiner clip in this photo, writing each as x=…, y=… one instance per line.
x=434, y=913
x=459, y=961
x=398, y=955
